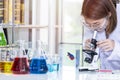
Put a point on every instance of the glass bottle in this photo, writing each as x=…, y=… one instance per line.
x=38, y=62
x=20, y=64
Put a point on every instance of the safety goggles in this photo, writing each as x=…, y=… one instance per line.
x=99, y=26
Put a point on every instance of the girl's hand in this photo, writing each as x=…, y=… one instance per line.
x=87, y=44
x=106, y=45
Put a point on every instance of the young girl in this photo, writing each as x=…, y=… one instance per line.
x=100, y=15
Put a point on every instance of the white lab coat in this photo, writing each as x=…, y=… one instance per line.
x=108, y=60
x=111, y=59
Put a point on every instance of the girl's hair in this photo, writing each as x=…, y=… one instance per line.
x=97, y=9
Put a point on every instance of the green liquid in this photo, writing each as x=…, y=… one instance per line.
x=2, y=39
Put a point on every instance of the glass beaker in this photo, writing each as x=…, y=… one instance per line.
x=20, y=64
x=8, y=62
x=53, y=62
x=5, y=60
x=38, y=62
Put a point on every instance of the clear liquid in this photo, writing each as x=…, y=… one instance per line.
x=38, y=66
x=20, y=66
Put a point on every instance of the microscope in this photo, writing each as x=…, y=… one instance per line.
x=91, y=52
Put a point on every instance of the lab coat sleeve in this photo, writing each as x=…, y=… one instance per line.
x=115, y=54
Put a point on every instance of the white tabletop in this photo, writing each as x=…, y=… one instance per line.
x=67, y=73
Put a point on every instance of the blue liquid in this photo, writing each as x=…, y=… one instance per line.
x=53, y=67
x=38, y=66
x=50, y=68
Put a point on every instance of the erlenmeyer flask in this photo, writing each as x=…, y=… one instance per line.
x=3, y=40
x=20, y=64
x=38, y=63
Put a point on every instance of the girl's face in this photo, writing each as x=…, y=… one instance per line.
x=98, y=25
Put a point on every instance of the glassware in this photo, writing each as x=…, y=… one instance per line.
x=20, y=64
x=53, y=62
x=38, y=63
x=5, y=60
x=29, y=50
x=8, y=62
x=2, y=39
x=56, y=62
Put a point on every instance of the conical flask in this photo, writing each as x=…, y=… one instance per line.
x=20, y=64
x=3, y=41
x=38, y=63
